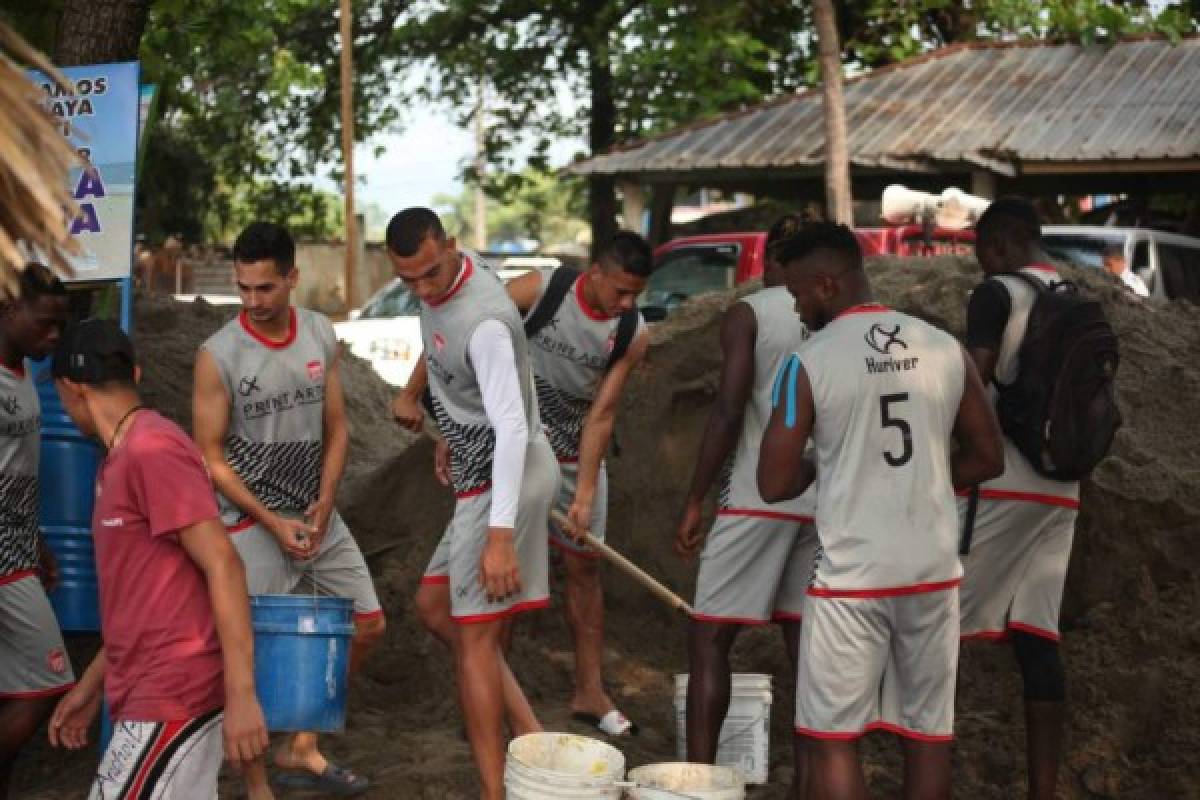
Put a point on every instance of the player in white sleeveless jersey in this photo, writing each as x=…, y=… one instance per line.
x=585, y=337
x=269, y=417
x=501, y=466
x=882, y=395
x=1024, y=523
x=34, y=668
x=758, y=558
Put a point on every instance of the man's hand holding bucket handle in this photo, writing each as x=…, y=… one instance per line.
x=499, y=571
x=244, y=729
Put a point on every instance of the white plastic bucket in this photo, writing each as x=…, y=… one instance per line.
x=745, y=739
x=676, y=781
x=562, y=766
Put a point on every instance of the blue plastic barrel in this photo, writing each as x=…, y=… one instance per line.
x=302, y=660
x=67, y=487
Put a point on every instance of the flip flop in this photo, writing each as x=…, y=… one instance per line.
x=614, y=723
x=334, y=780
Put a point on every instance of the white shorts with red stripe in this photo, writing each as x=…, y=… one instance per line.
x=338, y=569
x=1017, y=566
x=755, y=568
x=566, y=496
x=456, y=559
x=176, y=760
x=33, y=660
x=879, y=663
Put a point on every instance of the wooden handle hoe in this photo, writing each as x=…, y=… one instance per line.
x=621, y=562
x=628, y=567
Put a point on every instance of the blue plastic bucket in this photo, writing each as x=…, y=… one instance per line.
x=67, y=490
x=302, y=660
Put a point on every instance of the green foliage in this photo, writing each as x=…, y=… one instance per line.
x=543, y=206
x=879, y=32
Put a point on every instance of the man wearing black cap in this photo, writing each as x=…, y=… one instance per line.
x=177, y=666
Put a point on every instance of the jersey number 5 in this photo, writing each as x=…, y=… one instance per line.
x=888, y=421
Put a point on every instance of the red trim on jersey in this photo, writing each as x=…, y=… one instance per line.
x=18, y=370
x=361, y=616
x=1034, y=631
x=786, y=616
x=590, y=555
x=1023, y=497
x=568, y=459
x=434, y=580
x=891, y=591
x=529, y=605
x=20, y=575
x=1041, y=268
x=263, y=340
x=864, y=308
x=728, y=620
x=588, y=311
x=804, y=519
x=37, y=693
x=242, y=525
x=464, y=275
x=478, y=490
x=169, y=731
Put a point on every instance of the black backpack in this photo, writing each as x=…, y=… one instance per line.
x=1061, y=411
x=560, y=283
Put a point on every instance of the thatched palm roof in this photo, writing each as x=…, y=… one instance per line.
x=35, y=203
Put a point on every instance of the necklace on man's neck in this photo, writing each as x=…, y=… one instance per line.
x=117, y=429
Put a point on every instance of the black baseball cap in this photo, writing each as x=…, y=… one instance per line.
x=94, y=351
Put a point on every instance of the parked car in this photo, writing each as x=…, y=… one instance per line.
x=1169, y=263
x=387, y=331
x=692, y=265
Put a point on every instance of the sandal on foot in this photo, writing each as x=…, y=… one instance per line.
x=614, y=723
x=334, y=780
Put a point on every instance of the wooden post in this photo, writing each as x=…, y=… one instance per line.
x=480, y=170
x=347, y=62
x=633, y=204
x=983, y=184
x=840, y=204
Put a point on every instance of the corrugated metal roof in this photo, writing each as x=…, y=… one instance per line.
x=988, y=105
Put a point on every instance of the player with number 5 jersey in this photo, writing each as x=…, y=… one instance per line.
x=882, y=395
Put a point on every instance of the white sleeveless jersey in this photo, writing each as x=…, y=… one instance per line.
x=20, y=441
x=886, y=390
x=1020, y=480
x=569, y=357
x=779, y=332
x=275, y=442
x=447, y=326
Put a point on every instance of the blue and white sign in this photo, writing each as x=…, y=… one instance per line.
x=101, y=121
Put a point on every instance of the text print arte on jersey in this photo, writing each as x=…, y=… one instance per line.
x=280, y=402
x=887, y=343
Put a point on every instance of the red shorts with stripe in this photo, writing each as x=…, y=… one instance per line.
x=177, y=760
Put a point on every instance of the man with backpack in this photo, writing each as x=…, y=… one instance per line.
x=585, y=336
x=1048, y=358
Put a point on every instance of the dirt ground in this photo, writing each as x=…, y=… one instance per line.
x=1131, y=616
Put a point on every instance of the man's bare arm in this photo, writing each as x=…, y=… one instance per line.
x=979, y=456
x=783, y=471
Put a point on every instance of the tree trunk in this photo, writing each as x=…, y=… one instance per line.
x=602, y=196
x=100, y=31
x=838, y=200
x=661, y=206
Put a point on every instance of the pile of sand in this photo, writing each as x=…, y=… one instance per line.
x=1131, y=617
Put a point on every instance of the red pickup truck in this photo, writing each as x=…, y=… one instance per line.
x=709, y=262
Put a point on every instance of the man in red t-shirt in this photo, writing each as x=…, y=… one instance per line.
x=178, y=658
